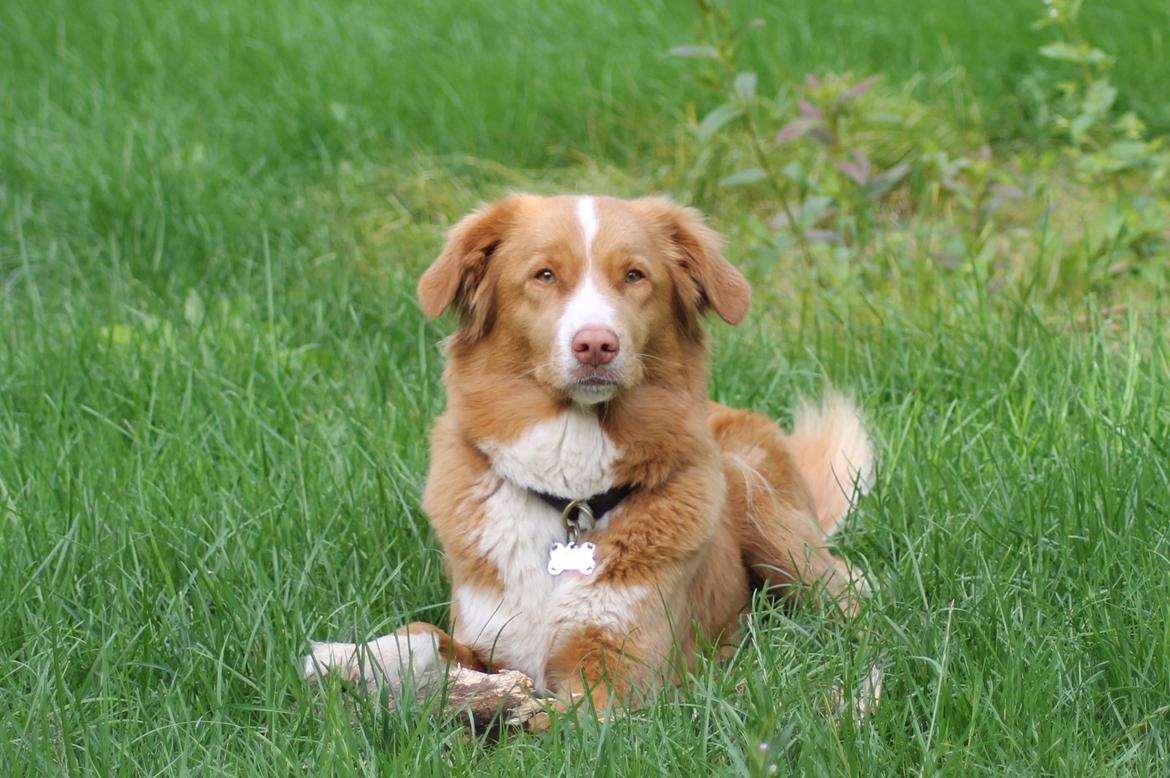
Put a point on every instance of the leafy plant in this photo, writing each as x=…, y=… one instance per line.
x=838, y=148
x=869, y=183
x=721, y=47
x=1104, y=141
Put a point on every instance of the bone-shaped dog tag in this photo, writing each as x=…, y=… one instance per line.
x=570, y=556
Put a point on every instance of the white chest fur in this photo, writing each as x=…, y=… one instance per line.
x=568, y=455
x=519, y=626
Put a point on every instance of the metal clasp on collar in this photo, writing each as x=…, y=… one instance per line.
x=572, y=516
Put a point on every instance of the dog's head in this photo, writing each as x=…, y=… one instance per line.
x=585, y=294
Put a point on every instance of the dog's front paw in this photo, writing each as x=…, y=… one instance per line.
x=408, y=655
x=339, y=660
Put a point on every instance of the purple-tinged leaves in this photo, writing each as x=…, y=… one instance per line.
x=858, y=89
x=808, y=109
x=822, y=236
x=1006, y=191
x=878, y=185
x=797, y=128
x=860, y=170
x=814, y=209
x=857, y=168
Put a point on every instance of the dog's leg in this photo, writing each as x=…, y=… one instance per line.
x=408, y=653
x=784, y=546
x=775, y=511
x=592, y=670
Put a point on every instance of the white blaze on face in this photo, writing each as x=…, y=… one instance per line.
x=587, y=217
x=587, y=305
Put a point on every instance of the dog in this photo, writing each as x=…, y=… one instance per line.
x=604, y=523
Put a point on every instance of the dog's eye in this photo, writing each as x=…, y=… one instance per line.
x=633, y=276
x=545, y=276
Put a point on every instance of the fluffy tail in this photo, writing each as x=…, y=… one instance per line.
x=834, y=455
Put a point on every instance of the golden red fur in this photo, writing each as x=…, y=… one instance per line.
x=579, y=365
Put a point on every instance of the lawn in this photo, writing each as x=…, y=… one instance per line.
x=215, y=383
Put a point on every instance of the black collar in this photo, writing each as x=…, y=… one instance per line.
x=598, y=505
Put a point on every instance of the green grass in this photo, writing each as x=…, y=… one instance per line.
x=215, y=387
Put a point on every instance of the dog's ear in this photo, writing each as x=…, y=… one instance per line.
x=457, y=277
x=706, y=279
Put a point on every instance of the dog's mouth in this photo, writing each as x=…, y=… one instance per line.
x=596, y=384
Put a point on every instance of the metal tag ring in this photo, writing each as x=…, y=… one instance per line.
x=571, y=517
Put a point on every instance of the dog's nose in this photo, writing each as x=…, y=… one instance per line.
x=595, y=346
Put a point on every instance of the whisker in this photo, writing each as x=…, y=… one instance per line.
x=666, y=362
